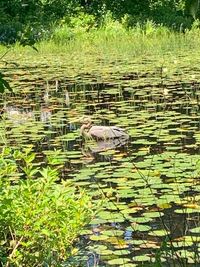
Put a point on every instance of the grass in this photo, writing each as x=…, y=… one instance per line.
x=113, y=48
x=112, y=41
x=110, y=50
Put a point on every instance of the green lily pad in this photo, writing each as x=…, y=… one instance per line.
x=98, y=237
x=195, y=230
x=118, y=261
x=153, y=214
x=159, y=233
x=142, y=258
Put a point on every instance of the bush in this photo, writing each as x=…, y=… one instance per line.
x=70, y=28
x=10, y=33
x=16, y=32
x=62, y=34
x=39, y=218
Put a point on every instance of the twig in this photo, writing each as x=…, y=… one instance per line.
x=13, y=252
x=5, y=54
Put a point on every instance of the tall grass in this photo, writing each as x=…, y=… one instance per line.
x=115, y=39
x=84, y=43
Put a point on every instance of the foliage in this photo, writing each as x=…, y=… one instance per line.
x=71, y=28
x=192, y=7
x=25, y=40
x=37, y=18
x=39, y=218
x=152, y=193
x=4, y=84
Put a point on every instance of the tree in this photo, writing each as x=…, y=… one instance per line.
x=192, y=7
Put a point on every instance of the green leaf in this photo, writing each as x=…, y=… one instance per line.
x=119, y=261
x=4, y=84
x=195, y=230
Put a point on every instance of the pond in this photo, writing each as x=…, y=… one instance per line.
x=150, y=185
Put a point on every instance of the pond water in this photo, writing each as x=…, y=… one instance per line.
x=149, y=186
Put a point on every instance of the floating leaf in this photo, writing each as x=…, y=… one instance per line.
x=118, y=261
x=98, y=237
x=153, y=214
x=113, y=232
x=141, y=258
x=195, y=230
x=121, y=252
x=159, y=233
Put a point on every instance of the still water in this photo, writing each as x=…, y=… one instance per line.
x=149, y=185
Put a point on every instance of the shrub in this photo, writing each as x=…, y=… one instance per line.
x=63, y=34
x=73, y=27
x=39, y=218
x=9, y=33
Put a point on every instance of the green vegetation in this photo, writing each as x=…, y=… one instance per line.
x=150, y=211
x=133, y=64
x=39, y=218
x=34, y=20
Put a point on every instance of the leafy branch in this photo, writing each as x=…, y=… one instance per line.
x=3, y=83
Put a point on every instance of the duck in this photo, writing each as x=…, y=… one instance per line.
x=88, y=130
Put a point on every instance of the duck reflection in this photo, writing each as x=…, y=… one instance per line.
x=92, y=148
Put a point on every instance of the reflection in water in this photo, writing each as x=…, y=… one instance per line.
x=18, y=116
x=46, y=94
x=164, y=138
x=93, y=260
x=103, y=145
x=67, y=99
x=93, y=147
x=45, y=114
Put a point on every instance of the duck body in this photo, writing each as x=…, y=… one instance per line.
x=106, y=132
x=101, y=132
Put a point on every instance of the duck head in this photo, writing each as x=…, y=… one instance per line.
x=86, y=125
